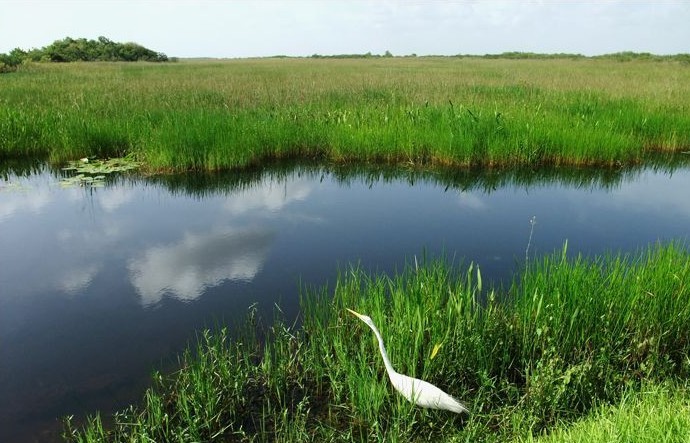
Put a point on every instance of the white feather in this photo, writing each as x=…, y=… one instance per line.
x=417, y=391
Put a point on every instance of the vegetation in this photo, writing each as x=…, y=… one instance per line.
x=81, y=49
x=601, y=342
x=468, y=112
x=93, y=172
x=654, y=414
x=569, y=338
x=518, y=55
x=617, y=56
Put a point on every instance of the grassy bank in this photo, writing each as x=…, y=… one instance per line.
x=567, y=339
x=435, y=111
x=654, y=414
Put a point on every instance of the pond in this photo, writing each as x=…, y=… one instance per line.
x=101, y=285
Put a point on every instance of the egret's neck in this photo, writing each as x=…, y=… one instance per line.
x=384, y=354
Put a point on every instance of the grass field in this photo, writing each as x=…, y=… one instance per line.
x=209, y=115
x=602, y=342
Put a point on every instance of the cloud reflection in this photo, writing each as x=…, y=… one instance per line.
x=115, y=197
x=199, y=261
x=271, y=196
x=471, y=201
x=31, y=201
x=78, y=279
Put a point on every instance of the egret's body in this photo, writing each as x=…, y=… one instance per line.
x=417, y=391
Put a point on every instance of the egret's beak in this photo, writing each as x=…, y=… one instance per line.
x=356, y=314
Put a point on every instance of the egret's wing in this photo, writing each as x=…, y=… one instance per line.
x=425, y=394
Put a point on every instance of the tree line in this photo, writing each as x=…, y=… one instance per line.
x=81, y=49
x=518, y=55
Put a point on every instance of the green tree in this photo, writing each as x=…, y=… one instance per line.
x=9, y=62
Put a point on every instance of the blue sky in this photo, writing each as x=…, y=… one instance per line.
x=207, y=28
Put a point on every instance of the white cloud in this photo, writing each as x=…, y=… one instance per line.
x=471, y=201
x=13, y=202
x=271, y=196
x=112, y=198
x=199, y=261
x=78, y=278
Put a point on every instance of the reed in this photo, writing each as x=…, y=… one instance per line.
x=434, y=111
x=568, y=335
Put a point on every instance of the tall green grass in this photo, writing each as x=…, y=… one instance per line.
x=434, y=111
x=657, y=413
x=567, y=336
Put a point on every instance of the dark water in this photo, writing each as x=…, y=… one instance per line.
x=100, y=286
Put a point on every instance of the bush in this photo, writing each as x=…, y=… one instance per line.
x=81, y=49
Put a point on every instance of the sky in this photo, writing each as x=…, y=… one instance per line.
x=260, y=28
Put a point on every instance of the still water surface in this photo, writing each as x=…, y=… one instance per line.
x=100, y=286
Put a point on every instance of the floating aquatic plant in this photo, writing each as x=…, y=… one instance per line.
x=92, y=172
x=96, y=166
x=83, y=180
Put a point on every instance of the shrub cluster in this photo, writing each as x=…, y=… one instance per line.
x=81, y=49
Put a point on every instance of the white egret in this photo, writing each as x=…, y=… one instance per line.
x=417, y=391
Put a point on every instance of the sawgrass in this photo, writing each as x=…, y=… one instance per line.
x=569, y=335
x=211, y=115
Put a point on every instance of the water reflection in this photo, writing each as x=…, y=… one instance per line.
x=112, y=200
x=16, y=198
x=187, y=268
x=271, y=197
x=80, y=269
x=482, y=180
x=78, y=279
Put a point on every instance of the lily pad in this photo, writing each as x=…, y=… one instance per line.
x=96, y=166
x=93, y=172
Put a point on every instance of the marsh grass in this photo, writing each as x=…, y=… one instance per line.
x=429, y=111
x=656, y=413
x=566, y=337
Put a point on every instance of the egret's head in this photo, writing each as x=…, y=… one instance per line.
x=365, y=318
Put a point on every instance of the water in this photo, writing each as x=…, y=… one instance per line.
x=100, y=286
